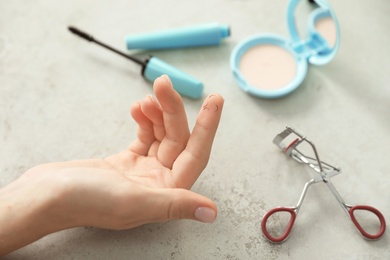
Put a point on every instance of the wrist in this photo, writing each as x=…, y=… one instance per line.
x=27, y=213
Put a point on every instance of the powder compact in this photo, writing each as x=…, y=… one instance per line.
x=271, y=66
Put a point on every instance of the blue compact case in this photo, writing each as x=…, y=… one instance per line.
x=271, y=66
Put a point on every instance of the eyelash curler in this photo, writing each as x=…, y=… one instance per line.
x=325, y=172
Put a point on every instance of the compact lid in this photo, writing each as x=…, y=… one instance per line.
x=323, y=37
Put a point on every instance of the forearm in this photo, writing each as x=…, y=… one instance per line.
x=25, y=214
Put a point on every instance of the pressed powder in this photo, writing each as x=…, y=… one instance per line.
x=327, y=29
x=268, y=67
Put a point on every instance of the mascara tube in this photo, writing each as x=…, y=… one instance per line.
x=153, y=68
x=199, y=35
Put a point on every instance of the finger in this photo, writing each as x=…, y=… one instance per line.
x=153, y=112
x=175, y=121
x=145, y=131
x=191, y=162
x=154, y=149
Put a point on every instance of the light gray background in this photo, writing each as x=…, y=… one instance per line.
x=62, y=99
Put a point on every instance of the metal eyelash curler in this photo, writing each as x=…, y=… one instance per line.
x=325, y=172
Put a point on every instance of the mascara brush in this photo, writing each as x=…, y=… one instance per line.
x=153, y=68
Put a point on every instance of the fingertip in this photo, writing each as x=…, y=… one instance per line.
x=185, y=204
x=217, y=97
x=135, y=108
x=213, y=102
x=167, y=80
x=144, y=103
x=211, y=110
x=139, y=116
x=162, y=83
x=154, y=101
x=169, y=99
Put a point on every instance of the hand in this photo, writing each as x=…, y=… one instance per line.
x=146, y=183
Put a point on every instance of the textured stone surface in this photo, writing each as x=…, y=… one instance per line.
x=62, y=99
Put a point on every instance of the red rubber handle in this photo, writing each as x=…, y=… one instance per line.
x=289, y=226
x=290, y=145
x=359, y=227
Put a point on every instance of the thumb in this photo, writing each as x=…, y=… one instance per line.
x=185, y=204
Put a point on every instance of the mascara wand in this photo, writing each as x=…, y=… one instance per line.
x=153, y=68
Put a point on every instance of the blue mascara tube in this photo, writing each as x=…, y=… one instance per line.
x=153, y=68
x=183, y=83
x=193, y=36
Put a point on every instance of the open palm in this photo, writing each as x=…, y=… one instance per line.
x=148, y=182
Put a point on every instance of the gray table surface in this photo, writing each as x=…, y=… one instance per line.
x=63, y=99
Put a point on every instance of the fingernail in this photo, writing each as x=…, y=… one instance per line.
x=206, y=215
x=154, y=100
x=165, y=76
x=151, y=98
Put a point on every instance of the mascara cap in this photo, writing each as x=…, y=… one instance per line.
x=194, y=36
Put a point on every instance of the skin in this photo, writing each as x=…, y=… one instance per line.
x=148, y=182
